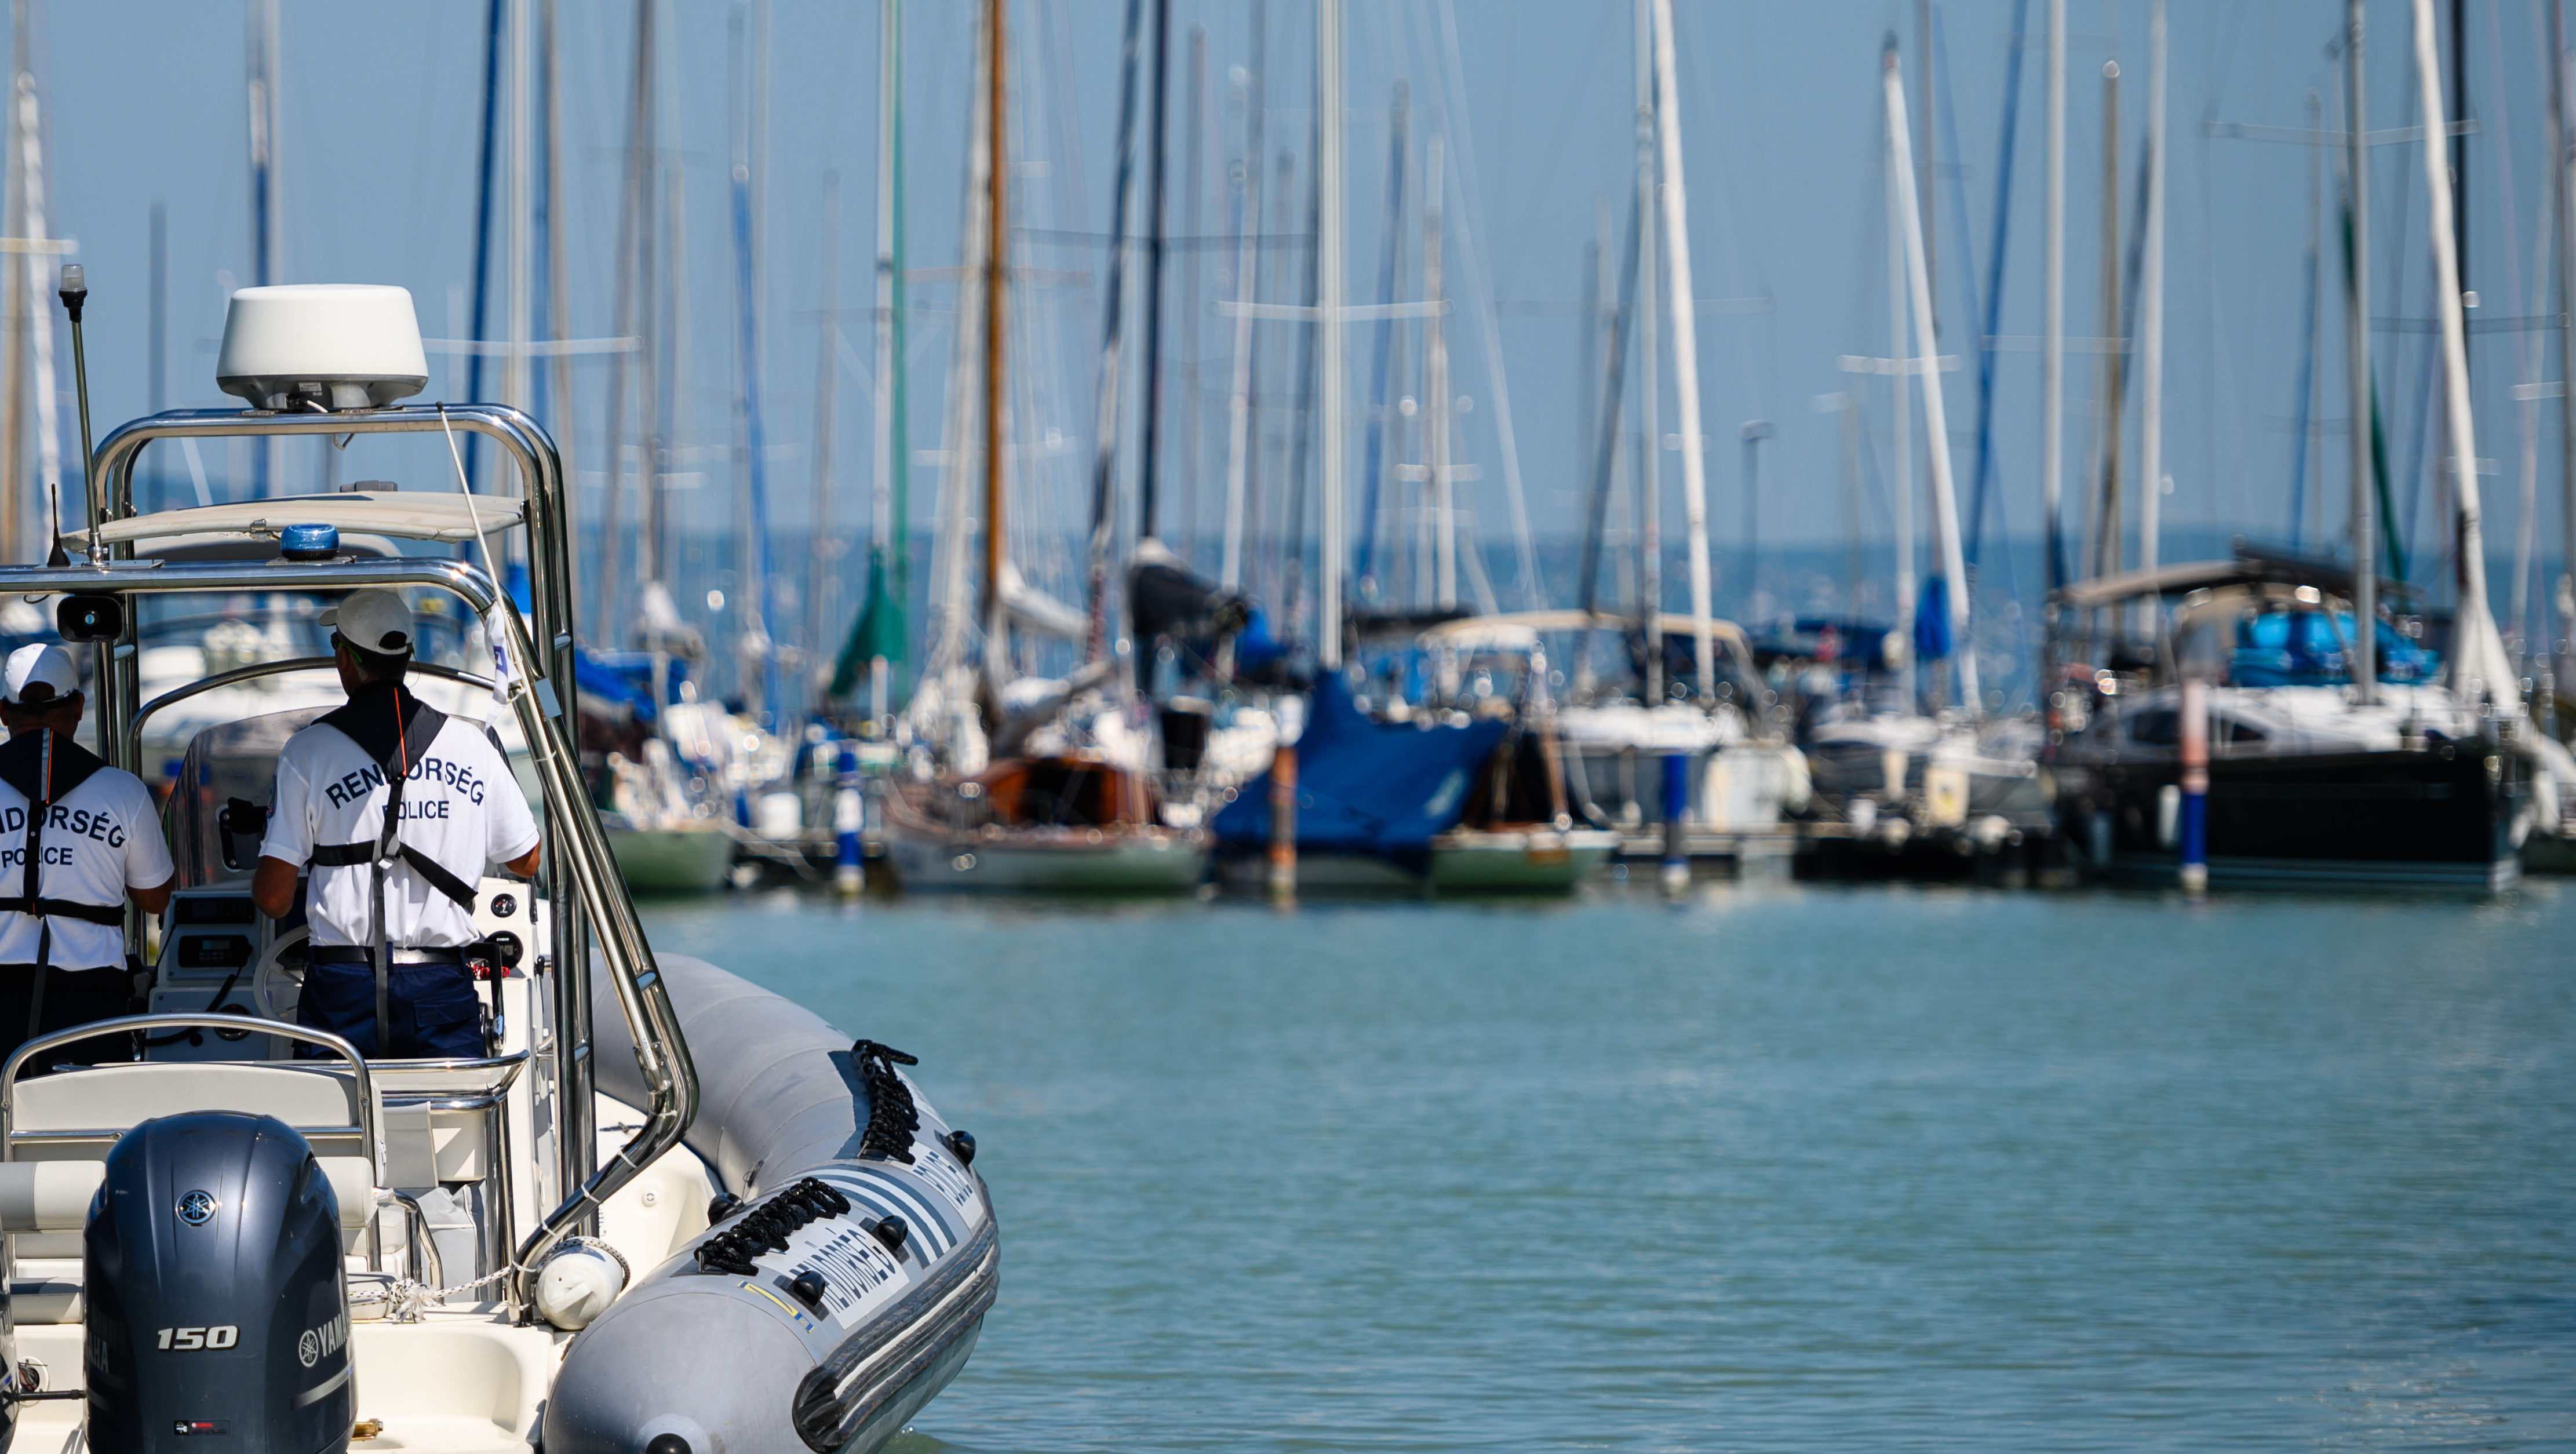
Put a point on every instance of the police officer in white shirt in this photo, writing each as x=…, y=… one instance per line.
x=397, y=808
x=77, y=838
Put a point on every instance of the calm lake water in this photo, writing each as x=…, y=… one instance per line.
x=1781, y=1166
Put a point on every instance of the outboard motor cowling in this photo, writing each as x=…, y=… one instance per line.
x=217, y=1303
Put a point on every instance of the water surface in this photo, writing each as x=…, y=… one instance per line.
x=1779, y=1167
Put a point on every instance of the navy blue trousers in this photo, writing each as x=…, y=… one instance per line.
x=72, y=997
x=435, y=1011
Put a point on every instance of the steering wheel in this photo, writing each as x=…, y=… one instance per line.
x=279, y=982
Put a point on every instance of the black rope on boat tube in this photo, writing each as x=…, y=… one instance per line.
x=765, y=1227
x=892, y=1119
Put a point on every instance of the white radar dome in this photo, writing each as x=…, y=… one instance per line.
x=336, y=345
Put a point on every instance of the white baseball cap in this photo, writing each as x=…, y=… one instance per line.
x=42, y=664
x=373, y=619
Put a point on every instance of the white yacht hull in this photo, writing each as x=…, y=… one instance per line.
x=671, y=860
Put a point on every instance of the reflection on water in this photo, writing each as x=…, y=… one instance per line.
x=1779, y=1167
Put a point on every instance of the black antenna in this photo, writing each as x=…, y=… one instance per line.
x=75, y=292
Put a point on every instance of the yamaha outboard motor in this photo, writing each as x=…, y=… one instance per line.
x=217, y=1304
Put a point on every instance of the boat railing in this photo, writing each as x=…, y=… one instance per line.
x=384, y=1089
x=369, y=1103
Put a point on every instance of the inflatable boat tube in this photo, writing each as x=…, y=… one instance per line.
x=843, y=1291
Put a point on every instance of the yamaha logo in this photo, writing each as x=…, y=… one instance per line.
x=197, y=1208
x=320, y=1343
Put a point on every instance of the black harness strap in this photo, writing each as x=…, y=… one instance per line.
x=102, y=914
x=46, y=767
x=355, y=855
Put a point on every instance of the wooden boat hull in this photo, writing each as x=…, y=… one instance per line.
x=671, y=860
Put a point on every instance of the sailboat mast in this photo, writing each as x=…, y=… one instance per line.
x=2052, y=389
x=819, y=596
x=520, y=198
x=2151, y=306
x=672, y=412
x=634, y=246
x=1193, y=452
x=1375, y=452
x=1329, y=269
x=563, y=425
x=1927, y=189
x=2357, y=326
x=1936, y=420
x=887, y=518
x=997, y=225
x=267, y=209
x=2479, y=667
x=2109, y=512
x=157, y=365
x=1900, y=413
x=1247, y=265
x=37, y=264
x=1150, y=457
x=1104, y=458
x=1677, y=275
x=758, y=648
x=266, y=213
x=495, y=43
x=953, y=583
x=2563, y=174
x=1608, y=410
x=1650, y=435
x=1435, y=386
x=15, y=504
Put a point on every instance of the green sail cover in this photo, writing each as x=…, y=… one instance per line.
x=877, y=632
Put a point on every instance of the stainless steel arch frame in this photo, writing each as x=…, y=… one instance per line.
x=528, y=446
x=578, y=855
x=257, y=670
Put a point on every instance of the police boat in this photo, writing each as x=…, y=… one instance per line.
x=666, y=1212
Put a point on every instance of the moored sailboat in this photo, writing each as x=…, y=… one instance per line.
x=2337, y=749
x=1077, y=813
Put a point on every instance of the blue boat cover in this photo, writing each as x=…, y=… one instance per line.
x=1366, y=787
x=2306, y=648
x=1255, y=647
x=623, y=679
x=1932, y=622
